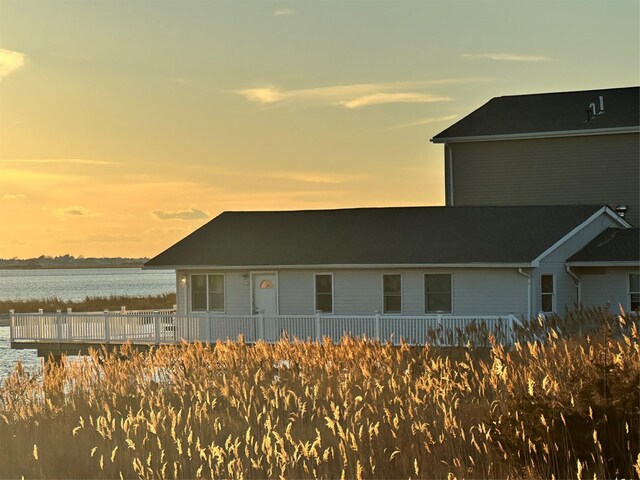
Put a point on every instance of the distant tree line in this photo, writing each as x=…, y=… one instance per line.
x=69, y=261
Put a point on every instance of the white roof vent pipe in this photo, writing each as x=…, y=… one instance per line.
x=622, y=210
x=595, y=110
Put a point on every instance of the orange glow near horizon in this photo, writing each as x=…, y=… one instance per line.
x=125, y=126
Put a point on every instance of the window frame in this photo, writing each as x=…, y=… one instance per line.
x=399, y=294
x=315, y=292
x=424, y=294
x=552, y=294
x=208, y=292
x=631, y=293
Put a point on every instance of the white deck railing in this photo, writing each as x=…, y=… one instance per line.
x=158, y=327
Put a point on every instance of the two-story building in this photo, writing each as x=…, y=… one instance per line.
x=532, y=186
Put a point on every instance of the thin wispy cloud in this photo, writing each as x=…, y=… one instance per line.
x=178, y=80
x=10, y=61
x=76, y=211
x=13, y=196
x=112, y=238
x=310, y=177
x=283, y=12
x=424, y=121
x=348, y=96
x=191, y=214
x=398, y=97
x=506, y=57
x=66, y=161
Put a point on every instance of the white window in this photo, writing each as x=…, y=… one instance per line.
x=392, y=293
x=634, y=292
x=207, y=293
x=324, y=292
x=547, y=293
x=438, y=293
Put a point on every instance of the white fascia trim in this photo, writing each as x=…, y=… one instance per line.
x=602, y=211
x=605, y=264
x=344, y=266
x=521, y=136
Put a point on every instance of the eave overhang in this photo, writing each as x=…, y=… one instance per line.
x=343, y=266
x=533, y=135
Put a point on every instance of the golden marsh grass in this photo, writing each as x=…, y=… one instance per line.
x=549, y=408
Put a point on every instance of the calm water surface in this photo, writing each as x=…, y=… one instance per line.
x=72, y=284
x=76, y=284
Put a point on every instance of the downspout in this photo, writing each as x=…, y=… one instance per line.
x=521, y=272
x=578, y=283
x=449, y=151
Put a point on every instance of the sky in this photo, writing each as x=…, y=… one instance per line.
x=126, y=125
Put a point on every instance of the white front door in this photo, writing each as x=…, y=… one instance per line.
x=265, y=293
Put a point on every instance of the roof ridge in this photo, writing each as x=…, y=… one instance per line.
x=416, y=207
x=566, y=92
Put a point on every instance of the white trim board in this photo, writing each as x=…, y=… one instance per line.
x=332, y=266
x=523, y=136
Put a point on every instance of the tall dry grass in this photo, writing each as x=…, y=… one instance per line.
x=553, y=406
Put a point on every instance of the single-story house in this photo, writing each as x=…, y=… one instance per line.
x=406, y=261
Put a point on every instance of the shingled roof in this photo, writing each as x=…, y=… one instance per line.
x=614, y=245
x=376, y=236
x=550, y=113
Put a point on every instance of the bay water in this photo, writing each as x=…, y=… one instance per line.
x=72, y=284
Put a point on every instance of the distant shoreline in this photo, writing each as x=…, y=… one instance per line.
x=69, y=267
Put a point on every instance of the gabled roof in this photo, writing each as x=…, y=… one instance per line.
x=548, y=114
x=613, y=246
x=507, y=235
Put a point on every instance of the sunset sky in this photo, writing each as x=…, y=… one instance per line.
x=126, y=125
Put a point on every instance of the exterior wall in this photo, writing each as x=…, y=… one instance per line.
x=181, y=293
x=359, y=292
x=601, y=286
x=237, y=291
x=566, y=291
x=590, y=170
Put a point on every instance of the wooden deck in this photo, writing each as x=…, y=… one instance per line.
x=76, y=332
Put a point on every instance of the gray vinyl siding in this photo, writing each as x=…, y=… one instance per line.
x=236, y=291
x=565, y=288
x=295, y=292
x=360, y=292
x=598, y=169
x=608, y=287
x=181, y=294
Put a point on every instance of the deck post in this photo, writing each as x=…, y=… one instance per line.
x=318, y=326
x=59, y=324
x=39, y=324
x=12, y=325
x=156, y=324
x=376, y=326
x=107, y=332
x=261, y=335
